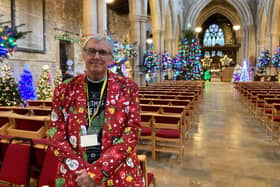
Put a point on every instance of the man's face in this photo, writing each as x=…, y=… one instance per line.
x=97, y=57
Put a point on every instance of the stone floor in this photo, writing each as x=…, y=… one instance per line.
x=227, y=148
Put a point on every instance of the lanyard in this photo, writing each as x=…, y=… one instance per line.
x=90, y=118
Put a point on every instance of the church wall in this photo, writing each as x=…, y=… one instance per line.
x=63, y=14
x=118, y=25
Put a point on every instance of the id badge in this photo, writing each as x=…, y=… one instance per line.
x=89, y=140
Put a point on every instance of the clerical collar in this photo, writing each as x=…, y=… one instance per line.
x=99, y=81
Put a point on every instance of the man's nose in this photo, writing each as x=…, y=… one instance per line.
x=96, y=55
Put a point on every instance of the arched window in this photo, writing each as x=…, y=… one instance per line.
x=213, y=35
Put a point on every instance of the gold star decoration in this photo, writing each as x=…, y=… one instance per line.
x=226, y=60
x=206, y=62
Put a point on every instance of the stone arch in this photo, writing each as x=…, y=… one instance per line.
x=262, y=29
x=168, y=30
x=177, y=32
x=275, y=23
x=156, y=12
x=247, y=33
x=229, y=14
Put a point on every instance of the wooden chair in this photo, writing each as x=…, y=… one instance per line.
x=274, y=120
x=168, y=134
x=145, y=138
x=26, y=126
x=48, y=171
x=148, y=177
x=15, y=169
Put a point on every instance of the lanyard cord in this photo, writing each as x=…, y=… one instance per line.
x=90, y=118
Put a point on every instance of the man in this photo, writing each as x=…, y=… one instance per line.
x=94, y=124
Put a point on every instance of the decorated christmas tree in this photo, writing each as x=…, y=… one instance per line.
x=9, y=95
x=197, y=67
x=26, y=85
x=58, y=78
x=264, y=59
x=276, y=58
x=207, y=75
x=151, y=63
x=45, y=87
x=245, y=72
x=189, y=65
x=8, y=37
x=236, y=73
x=166, y=61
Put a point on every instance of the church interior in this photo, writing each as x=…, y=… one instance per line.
x=207, y=73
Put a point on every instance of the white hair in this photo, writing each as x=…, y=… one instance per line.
x=99, y=38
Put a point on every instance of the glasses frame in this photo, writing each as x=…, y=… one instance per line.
x=93, y=52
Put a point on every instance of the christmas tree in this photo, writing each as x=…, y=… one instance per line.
x=245, y=72
x=236, y=73
x=9, y=95
x=264, y=59
x=189, y=67
x=166, y=61
x=26, y=85
x=58, y=78
x=45, y=87
x=151, y=63
x=207, y=75
x=8, y=37
x=276, y=58
x=197, y=67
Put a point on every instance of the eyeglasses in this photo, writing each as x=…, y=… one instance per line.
x=93, y=52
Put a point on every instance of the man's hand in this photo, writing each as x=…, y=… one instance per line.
x=84, y=180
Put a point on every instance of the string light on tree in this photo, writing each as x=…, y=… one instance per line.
x=8, y=38
x=264, y=59
x=9, y=94
x=166, y=61
x=26, y=85
x=245, y=72
x=44, y=87
x=276, y=58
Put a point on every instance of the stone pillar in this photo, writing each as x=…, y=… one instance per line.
x=249, y=42
x=172, y=46
x=138, y=34
x=275, y=41
x=159, y=48
x=238, y=41
x=94, y=17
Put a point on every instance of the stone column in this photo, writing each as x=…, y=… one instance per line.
x=275, y=41
x=159, y=48
x=138, y=34
x=94, y=17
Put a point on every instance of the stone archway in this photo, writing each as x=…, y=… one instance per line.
x=262, y=30
x=275, y=23
x=168, y=31
x=243, y=11
x=227, y=12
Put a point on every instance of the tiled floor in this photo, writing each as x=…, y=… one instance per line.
x=227, y=148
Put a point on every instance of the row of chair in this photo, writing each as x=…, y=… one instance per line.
x=18, y=171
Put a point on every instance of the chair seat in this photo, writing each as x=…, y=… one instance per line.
x=146, y=131
x=276, y=118
x=150, y=178
x=41, y=141
x=268, y=111
x=14, y=168
x=168, y=133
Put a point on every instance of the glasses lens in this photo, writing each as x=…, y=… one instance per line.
x=93, y=52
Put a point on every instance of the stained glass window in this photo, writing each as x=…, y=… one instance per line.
x=213, y=35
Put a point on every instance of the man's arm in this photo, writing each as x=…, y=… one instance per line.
x=58, y=136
